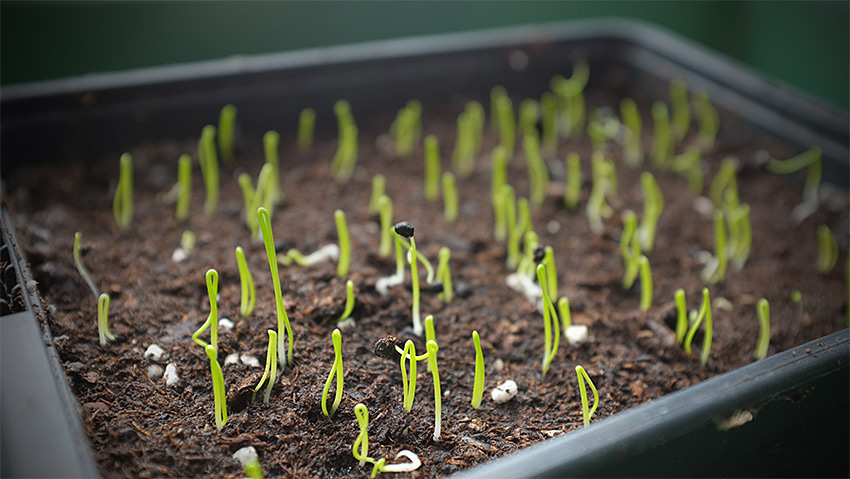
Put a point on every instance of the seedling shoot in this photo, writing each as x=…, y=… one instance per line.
x=103, y=319
x=284, y=329
x=582, y=377
x=270, y=372
x=336, y=370
x=122, y=203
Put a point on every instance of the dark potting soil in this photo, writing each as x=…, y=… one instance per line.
x=140, y=427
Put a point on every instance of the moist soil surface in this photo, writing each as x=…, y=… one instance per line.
x=140, y=427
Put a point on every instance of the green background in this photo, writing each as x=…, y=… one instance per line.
x=804, y=43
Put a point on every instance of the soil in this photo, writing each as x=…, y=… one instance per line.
x=142, y=428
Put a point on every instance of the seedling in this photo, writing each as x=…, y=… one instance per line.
x=344, y=243
x=385, y=208
x=629, y=249
x=379, y=184
x=723, y=191
x=602, y=128
x=827, y=250
x=406, y=230
x=409, y=385
x=218, y=388
x=763, y=313
x=498, y=178
x=704, y=314
x=271, y=143
x=270, y=372
x=538, y=173
x=345, y=159
x=122, y=203
x=255, y=198
x=208, y=159
x=103, y=319
x=529, y=260
x=81, y=267
x=550, y=345
x=349, y=301
x=478, y=385
x=645, y=283
x=689, y=165
x=564, y=312
x=430, y=332
x=681, y=315
x=507, y=125
x=463, y=156
x=432, y=167
x=604, y=184
x=662, y=140
x=336, y=370
x=811, y=160
x=740, y=235
x=573, y=189
x=715, y=270
x=444, y=275
x=476, y=119
x=582, y=377
x=707, y=118
x=551, y=272
x=249, y=292
x=306, y=127
x=362, y=443
x=521, y=229
x=254, y=470
x=681, y=120
x=529, y=113
x=549, y=124
x=450, y=201
x=406, y=128
x=632, y=146
x=212, y=318
x=282, y=318
x=184, y=187
x=432, y=348
x=571, y=96
x=653, y=205
x=226, y=127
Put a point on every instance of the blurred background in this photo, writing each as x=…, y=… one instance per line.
x=803, y=43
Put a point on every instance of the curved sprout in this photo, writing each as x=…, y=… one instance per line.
x=270, y=372
x=336, y=370
x=344, y=243
x=582, y=377
x=763, y=312
x=218, y=388
x=103, y=319
x=435, y=374
x=81, y=267
x=282, y=319
x=212, y=319
x=478, y=385
x=249, y=292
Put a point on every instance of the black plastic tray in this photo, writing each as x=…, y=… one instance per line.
x=799, y=399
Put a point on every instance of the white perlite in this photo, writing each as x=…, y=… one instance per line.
x=504, y=392
x=155, y=353
x=154, y=372
x=246, y=455
x=346, y=324
x=225, y=323
x=250, y=361
x=404, y=466
x=179, y=255
x=231, y=359
x=525, y=285
x=170, y=375
x=576, y=334
x=383, y=285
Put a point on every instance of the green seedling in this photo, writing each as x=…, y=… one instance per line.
x=122, y=203
x=430, y=332
x=629, y=249
x=306, y=128
x=255, y=198
x=723, y=191
x=604, y=185
x=270, y=372
x=254, y=470
x=573, y=187
x=496, y=92
x=653, y=205
x=284, y=329
x=103, y=319
x=632, y=146
x=602, y=128
x=362, y=415
x=336, y=370
x=707, y=118
x=345, y=158
x=450, y=200
x=208, y=159
x=385, y=209
x=187, y=241
x=218, y=388
x=432, y=167
x=349, y=301
x=498, y=178
x=662, y=140
x=249, y=292
x=463, y=156
x=478, y=385
x=681, y=120
x=81, y=267
x=582, y=377
x=344, y=261
x=715, y=270
x=570, y=94
x=476, y=113
x=509, y=207
x=538, y=173
x=740, y=235
x=507, y=125
x=528, y=262
x=681, y=315
x=551, y=272
x=549, y=124
x=212, y=318
x=406, y=230
x=184, y=187
x=379, y=185
x=432, y=348
x=827, y=250
x=406, y=128
x=645, y=283
x=444, y=274
x=328, y=252
x=521, y=235
x=564, y=312
x=226, y=132
x=409, y=385
x=404, y=245
x=271, y=143
x=703, y=315
x=689, y=165
x=529, y=113
x=763, y=313
x=550, y=322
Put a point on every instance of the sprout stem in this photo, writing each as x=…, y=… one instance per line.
x=385, y=207
x=432, y=348
x=184, y=187
x=379, y=184
x=284, y=329
x=212, y=318
x=573, y=186
x=208, y=159
x=336, y=370
x=645, y=283
x=349, y=301
x=226, y=127
x=270, y=372
x=450, y=200
x=444, y=274
x=478, y=385
x=218, y=388
x=763, y=312
x=81, y=267
x=122, y=203
x=432, y=168
x=103, y=319
x=827, y=250
x=550, y=346
x=582, y=377
x=249, y=292
x=344, y=243
x=704, y=314
x=681, y=315
x=306, y=127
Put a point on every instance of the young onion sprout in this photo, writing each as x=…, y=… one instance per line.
x=270, y=372
x=219, y=395
x=81, y=267
x=226, y=127
x=827, y=250
x=653, y=205
x=582, y=377
x=208, y=159
x=349, y=301
x=432, y=167
x=703, y=315
x=336, y=370
x=344, y=243
x=284, y=329
x=212, y=318
x=184, y=187
x=450, y=200
x=306, y=127
x=478, y=385
x=662, y=139
x=122, y=203
x=645, y=283
x=550, y=345
x=632, y=146
x=763, y=313
x=573, y=186
x=249, y=292
x=103, y=319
